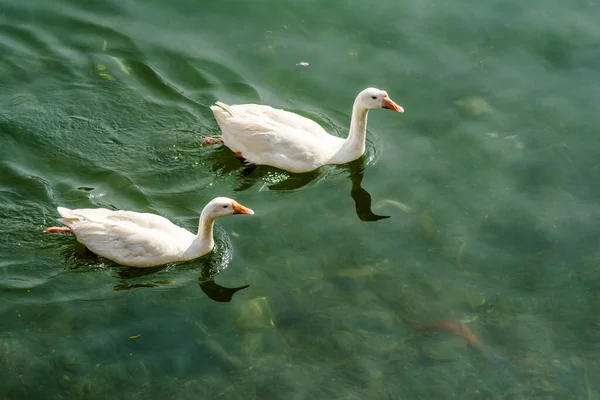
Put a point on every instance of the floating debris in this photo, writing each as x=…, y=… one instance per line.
x=303, y=64
x=393, y=203
x=210, y=140
x=101, y=71
x=135, y=336
x=121, y=65
x=457, y=328
x=354, y=273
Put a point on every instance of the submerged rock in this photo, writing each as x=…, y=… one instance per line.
x=254, y=314
x=213, y=350
x=356, y=273
x=253, y=344
x=378, y=321
x=471, y=300
x=429, y=228
x=474, y=105
x=443, y=347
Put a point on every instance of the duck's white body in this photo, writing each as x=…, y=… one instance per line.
x=141, y=239
x=268, y=136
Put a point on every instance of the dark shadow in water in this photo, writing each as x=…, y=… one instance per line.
x=132, y=274
x=252, y=174
x=217, y=292
x=362, y=198
x=211, y=266
x=206, y=281
x=132, y=278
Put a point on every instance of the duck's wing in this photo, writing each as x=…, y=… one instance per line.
x=123, y=242
x=126, y=237
x=103, y=215
x=264, y=135
x=261, y=119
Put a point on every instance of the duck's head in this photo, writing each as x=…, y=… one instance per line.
x=375, y=98
x=223, y=206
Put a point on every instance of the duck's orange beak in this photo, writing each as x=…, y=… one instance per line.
x=390, y=105
x=240, y=209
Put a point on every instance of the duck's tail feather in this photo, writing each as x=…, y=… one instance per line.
x=68, y=217
x=222, y=106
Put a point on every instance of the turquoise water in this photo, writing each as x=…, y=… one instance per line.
x=489, y=179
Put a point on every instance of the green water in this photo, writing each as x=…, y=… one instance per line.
x=490, y=179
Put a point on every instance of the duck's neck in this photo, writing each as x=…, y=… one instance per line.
x=204, y=241
x=355, y=144
x=205, y=229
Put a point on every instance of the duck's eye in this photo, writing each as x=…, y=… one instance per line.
x=225, y=206
x=374, y=97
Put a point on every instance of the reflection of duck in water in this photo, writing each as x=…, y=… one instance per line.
x=144, y=240
x=250, y=175
x=132, y=278
x=217, y=292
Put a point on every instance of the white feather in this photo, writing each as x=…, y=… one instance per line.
x=142, y=239
x=269, y=136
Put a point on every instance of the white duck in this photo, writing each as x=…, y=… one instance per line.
x=141, y=239
x=264, y=135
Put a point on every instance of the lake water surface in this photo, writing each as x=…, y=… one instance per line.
x=484, y=283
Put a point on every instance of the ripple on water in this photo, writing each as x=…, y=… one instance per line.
x=87, y=144
x=169, y=78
